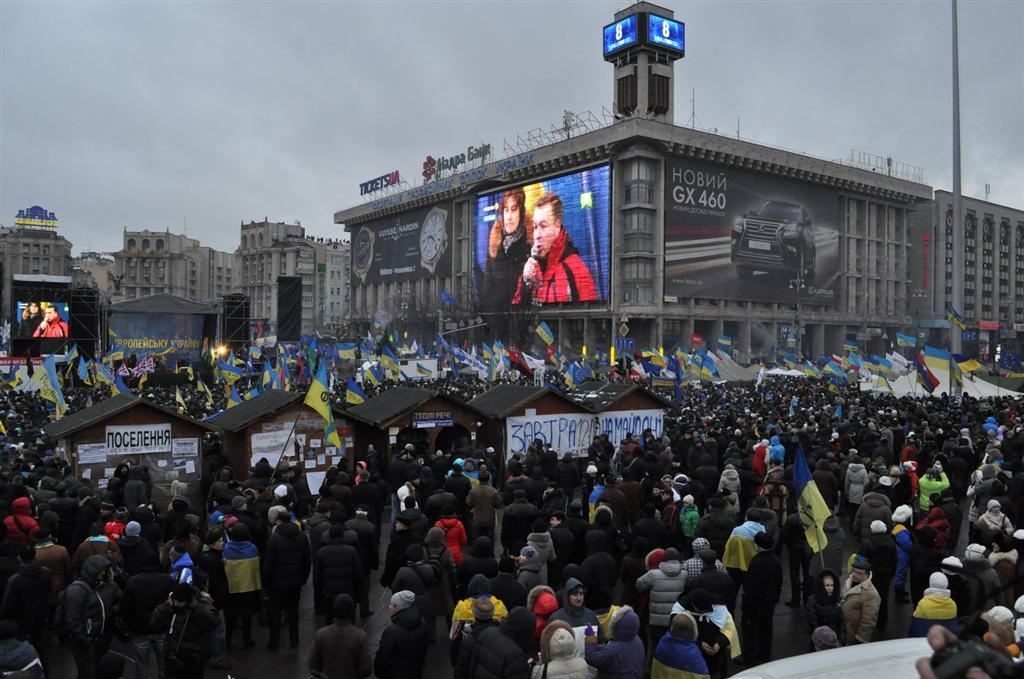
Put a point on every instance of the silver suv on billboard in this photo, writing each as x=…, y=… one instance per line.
x=778, y=236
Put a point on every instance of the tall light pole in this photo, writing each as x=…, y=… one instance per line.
x=956, y=299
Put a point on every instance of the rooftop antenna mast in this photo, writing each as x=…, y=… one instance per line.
x=693, y=109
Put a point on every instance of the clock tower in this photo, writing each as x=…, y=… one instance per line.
x=643, y=44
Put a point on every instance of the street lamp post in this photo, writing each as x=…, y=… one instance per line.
x=797, y=285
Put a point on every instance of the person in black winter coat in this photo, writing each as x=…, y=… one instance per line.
x=716, y=525
x=824, y=606
x=86, y=616
x=337, y=569
x=367, y=541
x=718, y=584
x=401, y=538
x=66, y=508
x=758, y=603
x=880, y=550
x=568, y=477
x=134, y=549
x=799, y=553
x=87, y=514
x=505, y=587
x=924, y=561
x=459, y=485
x=564, y=543
x=402, y=651
x=23, y=597
x=285, y=568
x=504, y=652
x=144, y=591
x=479, y=560
x=517, y=521
x=598, y=571
x=420, y=577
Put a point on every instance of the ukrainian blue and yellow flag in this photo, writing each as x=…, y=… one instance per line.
x=809, y=503
x=354, y=394
x=83, y=370
x=849, y=346
x=545, y=333
x=102, y=374
x=318, y=399
x=422, y=370
x=233, y=398
x=178, y=399
x=228, y=372
x=905, y=340
x=347, y=350
x=49, y=385
x=121, y=387
x=954, y=317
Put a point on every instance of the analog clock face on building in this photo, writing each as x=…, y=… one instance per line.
x=433, y=238
x=362, y=252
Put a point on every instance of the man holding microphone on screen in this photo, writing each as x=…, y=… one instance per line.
x=554, y=271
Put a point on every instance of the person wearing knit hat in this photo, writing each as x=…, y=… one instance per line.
x=904, y=540
x=238, y=503
x=402, y=651
x=824, y=638
x=877, y=527
x=1000, y=629
x=401, y=601
x=276, y=514
x=133, y=529
x=482, y=609
x=936, y=607
x=974, y=551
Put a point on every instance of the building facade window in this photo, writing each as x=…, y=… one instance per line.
x=639, y=181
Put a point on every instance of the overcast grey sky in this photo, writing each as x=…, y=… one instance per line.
x=153, y=115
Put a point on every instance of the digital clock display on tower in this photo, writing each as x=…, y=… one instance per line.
x=620, y=35
x=665, y=32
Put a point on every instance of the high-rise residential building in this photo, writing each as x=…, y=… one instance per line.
x=152, y=262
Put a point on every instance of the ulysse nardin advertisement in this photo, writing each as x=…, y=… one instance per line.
x=738, y=235
x=411, y=245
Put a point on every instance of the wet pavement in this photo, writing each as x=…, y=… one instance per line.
x=791, y=637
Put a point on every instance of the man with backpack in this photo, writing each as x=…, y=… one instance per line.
x=188, y=620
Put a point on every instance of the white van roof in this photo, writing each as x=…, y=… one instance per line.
x=890, y=659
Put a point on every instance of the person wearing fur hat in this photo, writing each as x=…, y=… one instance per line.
x=936, y=607
x=558, y=658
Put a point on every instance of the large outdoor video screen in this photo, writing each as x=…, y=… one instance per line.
x=173, y=336
x=414, y=244
x=737, y=235
x=546, y=242
x=35, y=319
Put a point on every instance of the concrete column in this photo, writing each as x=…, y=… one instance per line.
x=743, y=342
x=717, y=328
x=773, y=340
x=817, y=340
x=687, y=333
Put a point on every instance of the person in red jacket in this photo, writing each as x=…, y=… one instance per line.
x=554, y=272
x=21, y=527
x=454, y=534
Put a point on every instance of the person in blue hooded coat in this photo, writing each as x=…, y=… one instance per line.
x=776, y=452
x=623, y=656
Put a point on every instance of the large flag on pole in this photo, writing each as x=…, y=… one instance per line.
x=810, y=504
x=317, y=399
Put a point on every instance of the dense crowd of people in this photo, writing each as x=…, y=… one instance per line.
x=664, y=554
